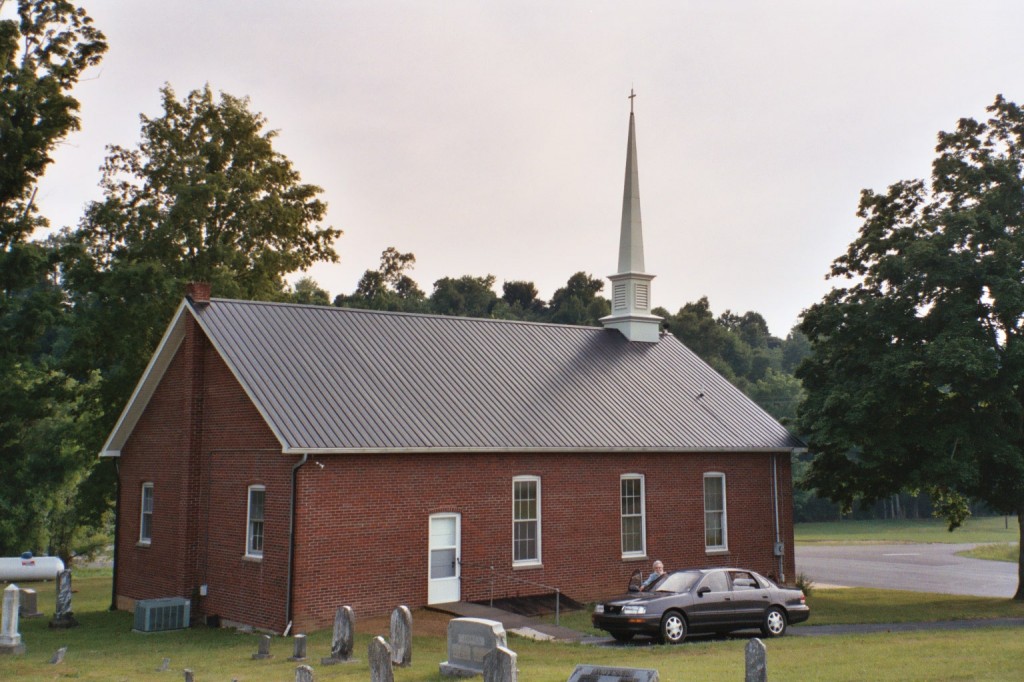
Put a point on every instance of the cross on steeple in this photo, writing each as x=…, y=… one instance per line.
x=632, y=95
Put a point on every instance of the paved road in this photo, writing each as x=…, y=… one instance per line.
x=920, y=568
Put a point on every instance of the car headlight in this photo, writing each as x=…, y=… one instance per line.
x=633, y=610
x=599, y=608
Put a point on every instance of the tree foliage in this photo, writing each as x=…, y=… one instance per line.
x=48, y=417
x=916, y=379
x=204, y=196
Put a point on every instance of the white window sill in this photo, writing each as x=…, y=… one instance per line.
x=527, y=566
x=143, y=543
x=252, y=557
x=634, y=557
x=716, y=550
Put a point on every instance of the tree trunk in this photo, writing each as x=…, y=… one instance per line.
x=1019, y=595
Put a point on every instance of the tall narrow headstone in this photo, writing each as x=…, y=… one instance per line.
x=29, y=604
x=10, y=639
x=757, y=661
x=343, y=637
x=380, y=661
x=300, y=649
x=58, y=656
x=401, y=636
x=63, y=616
x=263, y=648
x=500, y=666
x=303, y=674
x=164, y=665
x=189, y=676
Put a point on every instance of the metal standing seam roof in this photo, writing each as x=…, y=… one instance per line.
x=340, y=380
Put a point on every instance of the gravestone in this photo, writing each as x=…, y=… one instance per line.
x=29, y=607
x=164, y=666
x=500, y=666
x=10, y=639
x=757, y=661
x=63, y=616
x=300, y=649
x=602, y=673
x=303, y=674
x=189, y=676
x=469, y=640
x=380, y=661
x=401, y=636
x=343, y=637
x=58, y=656
x=263, y=648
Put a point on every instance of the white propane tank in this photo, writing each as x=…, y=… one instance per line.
x=28, y=567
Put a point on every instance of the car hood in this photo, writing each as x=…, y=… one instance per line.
x=637, y=598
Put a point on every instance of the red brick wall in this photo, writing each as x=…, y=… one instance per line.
x=363, y=523
x=362, y=520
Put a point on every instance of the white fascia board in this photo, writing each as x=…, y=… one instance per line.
x=483, y=450
x=158, y=364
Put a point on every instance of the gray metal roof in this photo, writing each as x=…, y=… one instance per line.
x=334, y=379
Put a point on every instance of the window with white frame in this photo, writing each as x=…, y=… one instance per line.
x=146, y=519
x=254, y=523
x=632, y=504
x=525, y=520
x=715, y=528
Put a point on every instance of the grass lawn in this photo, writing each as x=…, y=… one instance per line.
x=104, y=648
x=992, y=529
x=1004, y=551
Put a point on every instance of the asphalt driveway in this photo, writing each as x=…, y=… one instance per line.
x=919, y=568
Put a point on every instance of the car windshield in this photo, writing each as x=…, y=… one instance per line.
x=680, y=581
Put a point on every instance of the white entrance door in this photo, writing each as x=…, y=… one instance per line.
x=445, y=554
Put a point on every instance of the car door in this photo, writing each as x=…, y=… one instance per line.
x=712, y=603
x=749, y=599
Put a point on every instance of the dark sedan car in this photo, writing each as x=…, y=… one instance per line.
x=710, y=600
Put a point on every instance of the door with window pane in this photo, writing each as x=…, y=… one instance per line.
x=443, y=585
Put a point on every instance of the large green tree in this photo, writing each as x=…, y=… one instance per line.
x=916, y=377
x=204, y=196
x=44, y=50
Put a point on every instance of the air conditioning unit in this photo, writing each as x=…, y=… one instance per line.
x=158, y=615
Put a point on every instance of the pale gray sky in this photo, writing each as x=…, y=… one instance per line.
x=490, y=137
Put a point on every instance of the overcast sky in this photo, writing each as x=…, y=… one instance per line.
x=490, y=137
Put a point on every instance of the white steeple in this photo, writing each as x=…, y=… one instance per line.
x=631, y=286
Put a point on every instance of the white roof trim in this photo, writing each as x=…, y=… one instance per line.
x=147, y=384
x=154, y=373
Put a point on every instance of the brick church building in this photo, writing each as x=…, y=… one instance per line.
x=277, y=461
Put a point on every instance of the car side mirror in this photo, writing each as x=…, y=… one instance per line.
x=702, y=591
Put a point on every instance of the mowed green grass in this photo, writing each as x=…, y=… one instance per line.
x=104, y=648
x=992, y=529
x=1005, y=551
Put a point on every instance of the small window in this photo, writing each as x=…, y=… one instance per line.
x=146, y=520
x=525, y=520
x=631, y=496
x=715, y=530
x=254, y=542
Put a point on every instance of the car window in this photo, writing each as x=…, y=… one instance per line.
x=681, y=581
x=743, y=580
x=717, y=582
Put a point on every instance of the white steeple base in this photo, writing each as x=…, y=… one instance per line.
x=642, y=328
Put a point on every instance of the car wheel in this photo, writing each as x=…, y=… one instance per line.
x=673, y=628
x=622, y=636
x=774, y=623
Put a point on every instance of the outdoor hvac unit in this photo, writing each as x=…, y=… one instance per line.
x=157, y=615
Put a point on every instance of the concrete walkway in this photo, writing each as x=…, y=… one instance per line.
x=523, y=626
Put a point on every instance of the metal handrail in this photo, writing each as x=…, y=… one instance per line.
x=511, y=578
